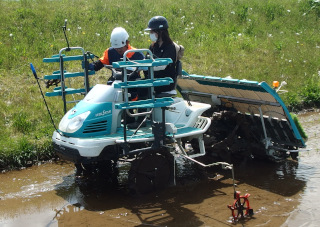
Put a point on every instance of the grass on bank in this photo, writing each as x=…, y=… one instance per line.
x=254, y=40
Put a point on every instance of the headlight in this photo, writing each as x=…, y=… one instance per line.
x=73, y=124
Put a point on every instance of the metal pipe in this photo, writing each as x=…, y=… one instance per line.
x=138, y=114
x=264, y=128
x=63, y=88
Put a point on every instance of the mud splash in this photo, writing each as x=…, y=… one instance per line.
x=49, y=195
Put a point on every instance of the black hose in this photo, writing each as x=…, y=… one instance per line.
x=45, y=102
x=64, y=28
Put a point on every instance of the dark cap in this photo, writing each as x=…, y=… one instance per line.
x=157, y=23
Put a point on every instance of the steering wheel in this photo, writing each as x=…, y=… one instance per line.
x=117, y=75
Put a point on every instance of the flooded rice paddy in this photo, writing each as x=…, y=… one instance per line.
x=282, y=194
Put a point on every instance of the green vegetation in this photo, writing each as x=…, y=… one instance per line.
x=299, y=127
x=254, y=40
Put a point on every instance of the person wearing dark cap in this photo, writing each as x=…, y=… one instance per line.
x=163, y=47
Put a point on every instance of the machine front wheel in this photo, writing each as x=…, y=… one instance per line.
x=151, y=171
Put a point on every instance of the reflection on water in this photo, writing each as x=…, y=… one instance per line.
x=307, y=213
x=280, y=178
x=27, y=197
x=49, y=195
x=66, y=197
x=102, y=196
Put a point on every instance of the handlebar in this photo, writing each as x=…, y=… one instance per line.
x=33, y=71
x=137, y=50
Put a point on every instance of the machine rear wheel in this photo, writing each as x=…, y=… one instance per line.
x=151, y=171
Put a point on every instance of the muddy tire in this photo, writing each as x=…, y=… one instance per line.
x=294, y=155
x=151, y=171
x=104, y=169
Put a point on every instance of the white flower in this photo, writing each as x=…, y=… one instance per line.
x=10, y=34
x=127, y=21
x=183, y=17
x=232, y=12
x=97, y=34
x=269, y=35
x=288, y=10
x=239, y=34
x=79, y=28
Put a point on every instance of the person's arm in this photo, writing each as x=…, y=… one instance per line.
x=169, y=71
x=137, y=56
x=169, y=52
x=104, y=60
x=136, y=74
x=96, y=66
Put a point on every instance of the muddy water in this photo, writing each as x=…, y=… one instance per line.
x=281, y=194
x=307, y=213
